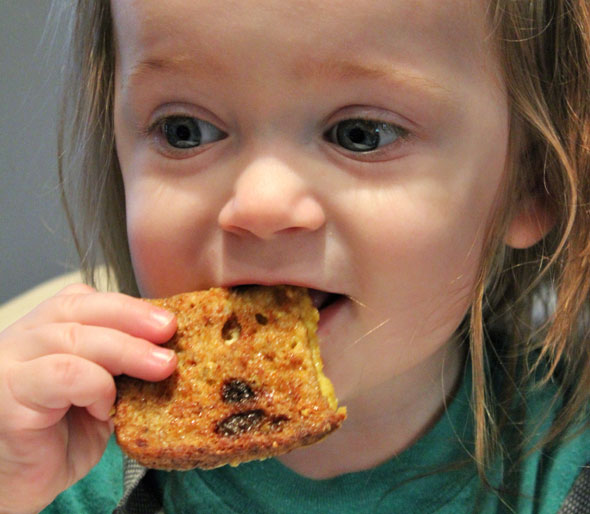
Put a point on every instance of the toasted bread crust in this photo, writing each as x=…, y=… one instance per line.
x=248, y=384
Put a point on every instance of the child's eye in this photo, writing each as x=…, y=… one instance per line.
x=360, y=135
x=186, y=132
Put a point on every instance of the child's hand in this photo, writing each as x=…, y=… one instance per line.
x=57, y=387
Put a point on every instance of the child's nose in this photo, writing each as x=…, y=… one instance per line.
x=270, y=198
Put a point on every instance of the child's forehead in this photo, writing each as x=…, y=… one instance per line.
x=311, y=26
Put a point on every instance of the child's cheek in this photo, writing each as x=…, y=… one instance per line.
x=162, y=232
x=146, y=235
x=424, y=253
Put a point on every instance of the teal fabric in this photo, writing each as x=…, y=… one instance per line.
x=99, y=491
x=426, y=478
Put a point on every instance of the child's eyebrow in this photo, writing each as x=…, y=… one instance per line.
x=338, y=70
x=208, y=67
x=329, y=69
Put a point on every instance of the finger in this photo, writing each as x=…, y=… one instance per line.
x=113, y=310
x=51, y=384
x=87, y=440
x=77, y=288
x=115, y=351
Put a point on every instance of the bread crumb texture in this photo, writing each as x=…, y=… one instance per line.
x=248, y=385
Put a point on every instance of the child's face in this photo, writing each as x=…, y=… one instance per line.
x=354, y=148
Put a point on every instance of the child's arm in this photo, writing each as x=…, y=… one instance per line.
x=57, y=388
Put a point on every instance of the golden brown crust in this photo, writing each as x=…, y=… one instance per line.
x=248, y=384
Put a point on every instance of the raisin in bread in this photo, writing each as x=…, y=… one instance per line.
x=248, y=384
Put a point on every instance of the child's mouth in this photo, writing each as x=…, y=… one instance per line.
x=320, y=299
x=323, y=299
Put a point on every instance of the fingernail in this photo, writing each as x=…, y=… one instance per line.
x=162, y=356
x=162, y=317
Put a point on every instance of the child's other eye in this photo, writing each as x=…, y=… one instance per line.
x=360, y=135
x=186, y=132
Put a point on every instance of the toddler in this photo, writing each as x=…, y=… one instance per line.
x=423, y=166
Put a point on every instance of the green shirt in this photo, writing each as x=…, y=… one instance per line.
x=434, y=475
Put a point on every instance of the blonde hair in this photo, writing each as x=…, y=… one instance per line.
x=90, y=177
x=544, y=47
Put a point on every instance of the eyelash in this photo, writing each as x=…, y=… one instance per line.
x=368, y=145
x=162, y=134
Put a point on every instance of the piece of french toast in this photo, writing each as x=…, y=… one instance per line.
x=248, y=385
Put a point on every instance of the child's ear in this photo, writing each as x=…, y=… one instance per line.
x=531, y=223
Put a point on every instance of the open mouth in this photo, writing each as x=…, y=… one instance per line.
x=323, y=299
x=320, y=299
